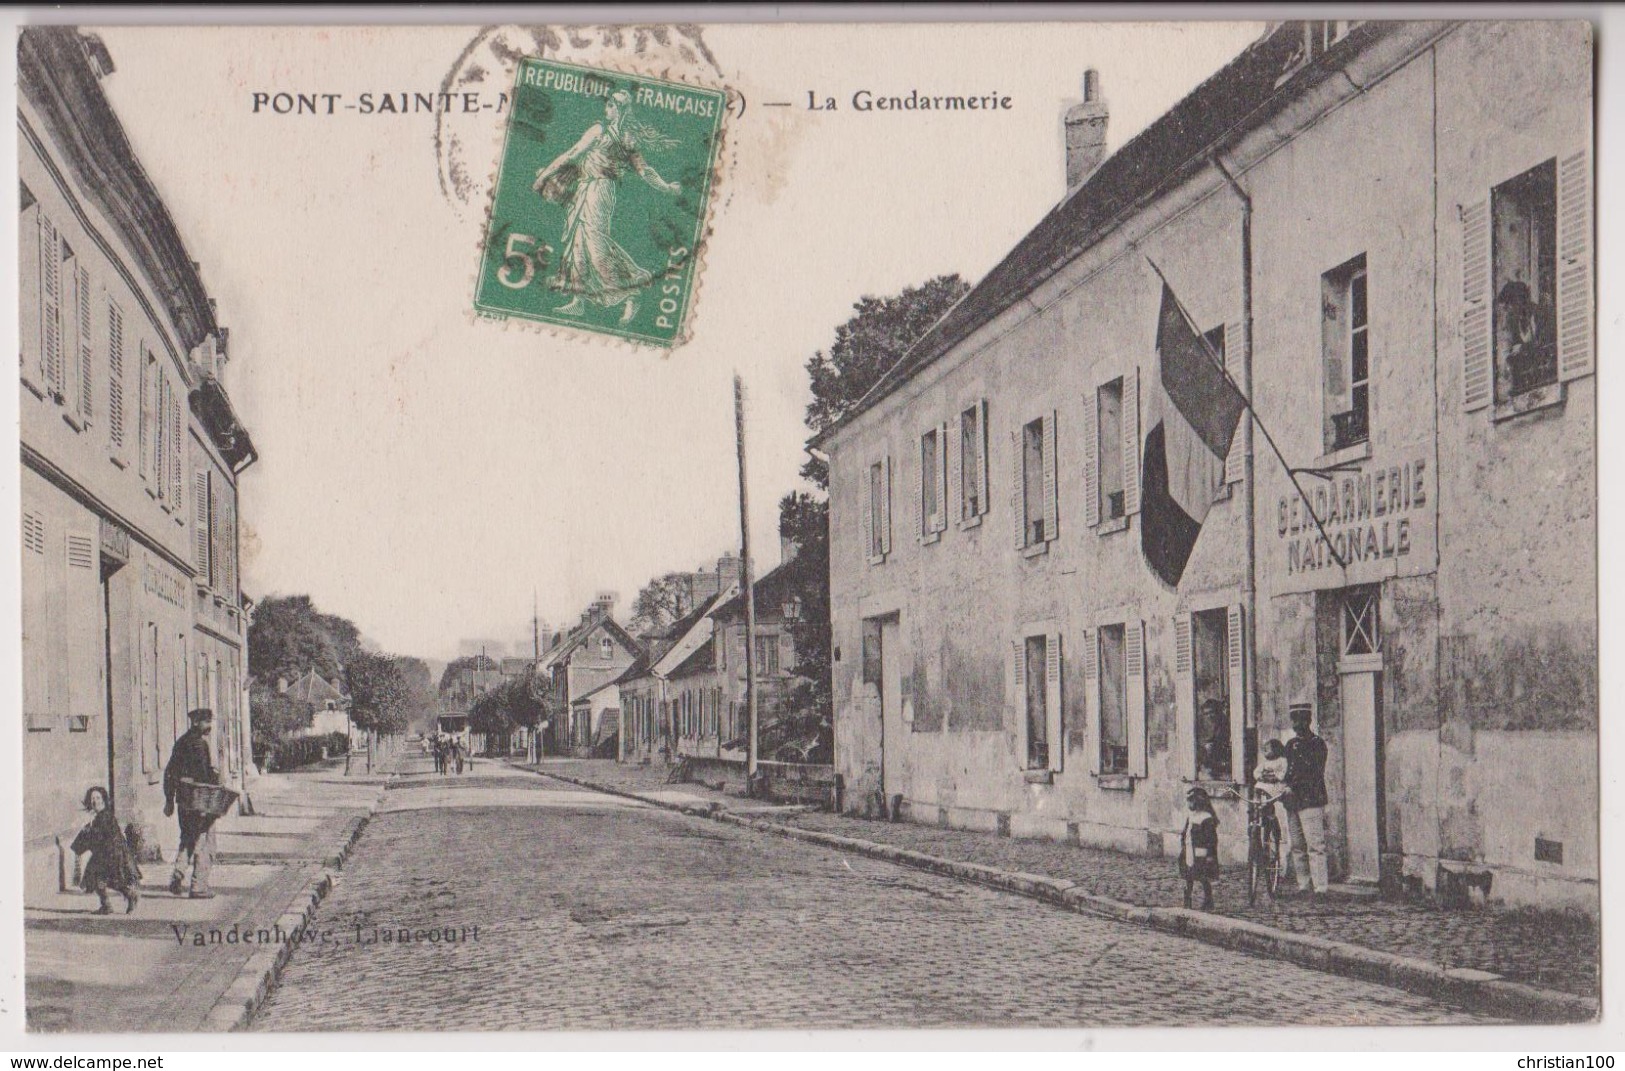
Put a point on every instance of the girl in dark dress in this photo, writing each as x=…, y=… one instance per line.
x=112, y=865
x=1199, y=845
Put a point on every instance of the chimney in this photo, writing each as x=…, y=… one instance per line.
x=1085, y=125
x=703, y=584
x=727, y=571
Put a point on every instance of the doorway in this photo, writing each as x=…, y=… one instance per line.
x=882, y=669
x=1359, y=673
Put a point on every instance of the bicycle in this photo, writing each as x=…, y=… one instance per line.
x=1266, y=862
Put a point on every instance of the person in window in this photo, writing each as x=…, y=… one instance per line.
x=112, y=864
x=1214, y=755
x=1528, y=331
x=1306, y=801
x=192, y=760
x=1199, y=846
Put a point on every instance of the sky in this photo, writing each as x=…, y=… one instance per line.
x=428, y=474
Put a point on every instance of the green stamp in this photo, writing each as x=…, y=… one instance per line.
x=599, y=211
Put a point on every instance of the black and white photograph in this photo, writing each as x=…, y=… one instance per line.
x=576, y=528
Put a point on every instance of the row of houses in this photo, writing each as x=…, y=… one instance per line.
x=131, y=452
x=1384, y=232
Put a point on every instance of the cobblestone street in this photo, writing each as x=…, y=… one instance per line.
x=559, y=908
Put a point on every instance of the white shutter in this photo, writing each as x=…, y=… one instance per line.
x=115, y=378
x=885, y=507
x=143, y=416
x=1018, y=499
x=1052, y=508
x=177, y=436
x=1235, y=462
x=1574, y=328
x=85, y=362
x=1184, y=697
x=956, y=471
x=1134, y=693
x=942, y=478
x=1131, y=442
x=1236, y=661
x=1091, y=696
x=229, y=543
x=920, y=520
x=1091, y=459
x=1477, y=382
x=869, y=541
x=1018, y=675
x=983, y=438
x=200, y=525
x=50, y=258
x=160, y=434
x=1052, y=699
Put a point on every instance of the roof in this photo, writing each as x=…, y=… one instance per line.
x=584, y=696
x=703, y=659
x=763, y=587
x=693, y=633
x=638, y=668
x=1238, y=98
x=576, y=639
x=312, y=687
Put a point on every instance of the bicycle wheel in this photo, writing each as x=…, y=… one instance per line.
x=1276, y=864
x=1255, y=863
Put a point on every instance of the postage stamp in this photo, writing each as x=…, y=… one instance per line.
x=602, y=191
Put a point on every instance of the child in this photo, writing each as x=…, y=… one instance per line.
x=1199, y=846
x=112, y=865
x=1269, y=784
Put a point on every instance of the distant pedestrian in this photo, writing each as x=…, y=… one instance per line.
x=1199, y=845
x=1306, y=801
x=192, y=759
x=112, y=864
x=457, y=753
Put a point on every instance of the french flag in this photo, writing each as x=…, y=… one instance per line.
x=1192, y=411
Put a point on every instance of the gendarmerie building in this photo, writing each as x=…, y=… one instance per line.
x=1384, y=232
x=131, y=452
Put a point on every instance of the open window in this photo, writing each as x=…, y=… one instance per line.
x=877, y=512
x=1523, y=255
x=1346, y=354
x=1210, y=695
x=971, y=458
x=931, y=503
x=1033, y=494
x=1038, y=693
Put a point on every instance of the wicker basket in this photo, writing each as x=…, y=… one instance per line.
x=212, y=800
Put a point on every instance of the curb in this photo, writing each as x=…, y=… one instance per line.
x=254, y=984
x=1477, y=990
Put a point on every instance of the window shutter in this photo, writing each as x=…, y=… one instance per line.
x=942, y=478
x=1052, y=507
x=201, y=479
x=1134, y=671
x=869, y=541
x=1236, y=661
x=920, y=519
x=1477, y=383
x=1574, y=340
x=143, y=416
x=115, y=378
x=85, y=362
x=1184, y=696
x=1052, y=699
x=983, y=437
x=956, y=471
x=885, y=508
x=1235, y=462
x=1019, y=675
x=1018, y=500
x=229, y=543
x=33, y=532
x=160, y=434
x=50, y=258
x=1091, y=696
x=177, y=436
x=1091, y=459
x=1131, y=442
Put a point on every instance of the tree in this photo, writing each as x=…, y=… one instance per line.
x=804, y=520
x=876, y=337
x=289, y=637
x=277, y=716
x=662, y=602
x=458, y=666
x=380, y=701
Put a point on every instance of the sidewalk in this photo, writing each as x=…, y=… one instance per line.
x=89, y=973
x=1543, y=950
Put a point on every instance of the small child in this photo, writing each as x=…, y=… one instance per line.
x=112, y=865
x=1269, y=783
x=1199, y=845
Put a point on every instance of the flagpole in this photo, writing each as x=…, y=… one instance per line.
x=1218, y=361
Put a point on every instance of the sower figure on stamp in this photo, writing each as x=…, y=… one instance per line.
x=192, y=760
x=1306, y=801
x=592, y=265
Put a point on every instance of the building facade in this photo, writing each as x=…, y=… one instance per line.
x=131, y=454
x=1390, y=218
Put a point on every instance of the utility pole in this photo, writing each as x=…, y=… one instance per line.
x=536, y=644
x=746, y=585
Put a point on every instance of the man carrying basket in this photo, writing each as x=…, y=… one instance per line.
x=192, y=761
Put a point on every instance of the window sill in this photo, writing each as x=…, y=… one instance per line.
x=1547, y=397
x=971, y=522
x=1360, y=451
x=1223, y=493
x=880, y=560
x=33, y=388
x=72, y=420
x=1115, y=782
x=1038, y=777
x=118, y=462
x=1033, y=550
x=1114, y=524
x=931, y=537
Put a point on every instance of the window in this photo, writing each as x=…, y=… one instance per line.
x=1362, y=632
x=1109, y=400
x=1037, y=656
x=1524, y=280
x=115, y=381
x=606, y=647
x=1032, y=477
x=1211, y=680
x=877, y=512
x=933, y=483
x=1033, y=488
x=767, y=656
x=973, y=462
x=148, y=370
x=81, y=387
x=1113, y=720
x=1346, y=353
x=1038, y=696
